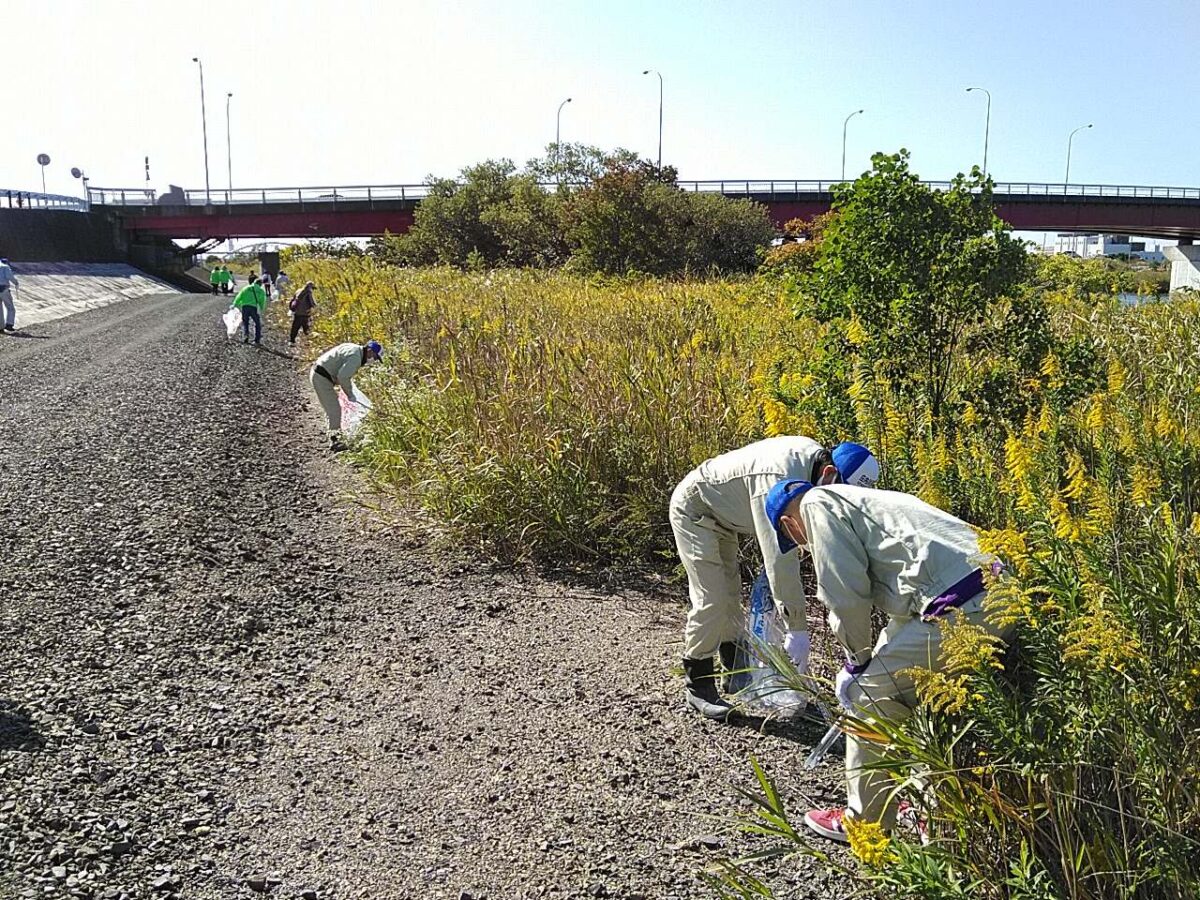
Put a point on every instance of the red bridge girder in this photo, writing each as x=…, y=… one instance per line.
x=1153, y=218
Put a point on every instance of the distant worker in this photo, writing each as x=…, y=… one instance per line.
x=265, y=280
x=214, y=279
x=230, y=280
x=889, y=551
x=282, y=284
x=718, y=502
x=225, y=279
x=302, y=306
x=251, y=300
x=336, y=368
x=8, y=281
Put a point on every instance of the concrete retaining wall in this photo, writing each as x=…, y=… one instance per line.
x=48, y=235
x=50, y=291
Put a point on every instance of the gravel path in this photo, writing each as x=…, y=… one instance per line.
x=228, y=670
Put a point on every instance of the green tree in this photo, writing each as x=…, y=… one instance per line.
x=919, y=270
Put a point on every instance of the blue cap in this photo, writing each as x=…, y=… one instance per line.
x=376, y=348
x=778, y=498
x=855, y=464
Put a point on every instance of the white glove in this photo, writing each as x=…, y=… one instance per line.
x=841, y=687
x=798, y=645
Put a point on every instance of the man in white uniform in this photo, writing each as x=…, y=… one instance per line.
x=336, y=368
x=890, y=551
x=8, y=281
x=716, y=503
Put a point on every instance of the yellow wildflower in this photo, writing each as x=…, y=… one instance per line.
x=1017, y=458
x=1195, y=526
x=1065, y=526
x=1077, y=480
x=938, y=691
x=776, y=417
x=1101, y=514
x=1098, y=639
x=1116, y=376
x=1006, y=543
x=868, y=842
x=970, y=415
x=1052, y=370
x=1168, y=516
x=1145, y=483
x=967, y=648
x=1097, y=412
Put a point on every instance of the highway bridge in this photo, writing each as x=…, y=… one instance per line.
x=367, y=210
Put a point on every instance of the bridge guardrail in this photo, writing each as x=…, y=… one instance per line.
x=10, y=199
x=140, y=197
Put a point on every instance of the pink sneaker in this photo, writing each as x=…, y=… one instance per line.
x=828, y=823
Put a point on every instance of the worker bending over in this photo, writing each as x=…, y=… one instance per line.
x=890, y=551
x=336, y=368
x=251, y=300
x=716, y=503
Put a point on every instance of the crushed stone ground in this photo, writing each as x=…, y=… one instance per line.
x=228, y=669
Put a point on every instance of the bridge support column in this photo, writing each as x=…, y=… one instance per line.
x=1185, y=266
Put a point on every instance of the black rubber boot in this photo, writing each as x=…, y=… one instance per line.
x=700, y=689
x=736, y=663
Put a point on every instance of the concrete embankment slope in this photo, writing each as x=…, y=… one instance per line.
x=52, y=290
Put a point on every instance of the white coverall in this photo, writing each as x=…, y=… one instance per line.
x=342, y=363
x=8, y=281
x=896, y=553
x=718, y=501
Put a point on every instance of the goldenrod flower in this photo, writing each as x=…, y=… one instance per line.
x=1065, y=526
x=868, y=842
x=1098, y=639
x=1116, y=376
x=970, y=416
x=856, y=334
x=1006, y=543
x=939, y=692
x=1052, y=370
x=1145, y=483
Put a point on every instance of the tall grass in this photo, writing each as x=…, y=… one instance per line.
x=551, y=416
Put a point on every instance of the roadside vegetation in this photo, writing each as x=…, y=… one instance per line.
x=548, y=414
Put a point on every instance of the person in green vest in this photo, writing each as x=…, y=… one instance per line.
x=214, y=279
x=251, y=300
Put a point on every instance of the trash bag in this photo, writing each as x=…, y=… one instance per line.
x=766, y=690
x=353, y=413
x=232, y=320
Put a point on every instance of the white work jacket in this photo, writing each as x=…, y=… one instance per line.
x=733, y=487
x=342, y=363
x=882, y=549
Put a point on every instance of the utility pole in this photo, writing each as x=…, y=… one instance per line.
x=558, y=140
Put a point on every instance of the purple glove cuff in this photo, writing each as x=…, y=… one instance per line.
x=857, y=670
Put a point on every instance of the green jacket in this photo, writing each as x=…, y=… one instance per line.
x=214, y=277
x=223, y=276
x=251, y=295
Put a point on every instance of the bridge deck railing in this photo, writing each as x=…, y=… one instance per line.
x=31, y=200
x=759, y=189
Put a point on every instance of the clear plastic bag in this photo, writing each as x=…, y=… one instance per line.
x=764, y=688
x=232, y=320
x=353, y=413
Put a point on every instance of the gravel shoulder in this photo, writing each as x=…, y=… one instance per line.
x=228, y=669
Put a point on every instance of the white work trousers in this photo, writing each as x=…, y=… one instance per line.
x=328, y=395
x=10, y=311
x=885, y=690
x=709, y=553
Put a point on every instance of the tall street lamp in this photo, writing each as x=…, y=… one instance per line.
x=844, y=126
x=228, y=141
x=558, y=135
x=660, y=105
x=987, y=125
x=204, y=121
x=1070, y=138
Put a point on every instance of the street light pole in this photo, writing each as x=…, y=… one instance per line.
x=660, y=110
x=204, y=121
x=987, y=127
x=845, y=124
x=1070, y=138
x=558, y=137
x=228, y=142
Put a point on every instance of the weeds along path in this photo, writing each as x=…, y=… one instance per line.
x=220, y=676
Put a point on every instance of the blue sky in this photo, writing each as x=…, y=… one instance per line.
x=374, y=92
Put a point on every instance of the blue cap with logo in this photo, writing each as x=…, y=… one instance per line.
x=376, y=348
x=855, y=464
x=778, y=498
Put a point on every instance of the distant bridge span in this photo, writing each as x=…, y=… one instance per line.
x=364, y=211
